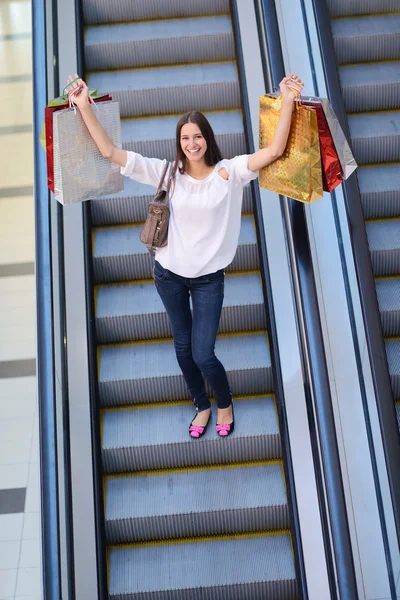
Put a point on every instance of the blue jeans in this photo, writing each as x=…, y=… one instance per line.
x=194, y=338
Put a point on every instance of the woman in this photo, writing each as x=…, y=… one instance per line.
x=203, y=234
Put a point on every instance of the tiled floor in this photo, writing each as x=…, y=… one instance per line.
x=20, y=555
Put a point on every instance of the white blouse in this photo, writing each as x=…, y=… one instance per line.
x=205, y=217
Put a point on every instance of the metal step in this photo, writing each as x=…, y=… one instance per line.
x=229, y=568
x=343, y=8
x=371, y=87
x=139, y=373
x=134, y=311
x=380, y=190
x=119, y=255
x=393, y=355
x=388, y=292
x=131, y=205
x=384, y=245
x=173, y=504
x=171, y=90
x=155, y=136
x=156, y=436
x=375, y=137
x=156, y=43
x=367, y=38
x=118, y=11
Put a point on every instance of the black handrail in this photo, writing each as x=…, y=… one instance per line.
x=99, y=509
x=271, y=325
x=51, y=563
x=365, y=279
x=339, y=527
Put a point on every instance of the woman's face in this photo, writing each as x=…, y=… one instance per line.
x=193, y=143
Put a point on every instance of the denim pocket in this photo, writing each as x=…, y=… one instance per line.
x=217, y=277
x=159, y=272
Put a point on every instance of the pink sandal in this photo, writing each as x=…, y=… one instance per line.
x=225, y=430
x=196, y=431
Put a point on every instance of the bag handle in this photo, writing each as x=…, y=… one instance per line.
x=162, y=181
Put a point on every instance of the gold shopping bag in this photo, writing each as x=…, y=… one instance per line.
x=297, y=173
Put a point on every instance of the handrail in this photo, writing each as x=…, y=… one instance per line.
x=51, y=563
x=271, y=324
x=313, y=348
x=99, y=511
x=365, y=279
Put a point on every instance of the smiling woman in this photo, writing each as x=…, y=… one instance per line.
x=204, y=227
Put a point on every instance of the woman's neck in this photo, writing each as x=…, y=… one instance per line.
x=198, y=170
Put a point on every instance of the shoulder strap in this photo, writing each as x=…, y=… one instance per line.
x=162, y=178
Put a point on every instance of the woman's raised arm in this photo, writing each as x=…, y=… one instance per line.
x=266, y=156
x=103, y=142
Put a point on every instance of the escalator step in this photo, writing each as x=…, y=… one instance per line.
x=131, y=205
x=367, y=38
x=155, y=43
x=350, y=8
x=134, y=311
x=155, y=136
x=139, y=373
x=198, y=502
x=371, y=87
x=104, y=11
x=388, y=292
x=384, y=245
x=380, y=190
x=237, y=568
x=375, y=137
x=156, y=437
x=119, y=255
x=171, y=90
x=393, y=355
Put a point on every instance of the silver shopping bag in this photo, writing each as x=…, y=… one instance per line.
x=346, y=158
x=80, y=171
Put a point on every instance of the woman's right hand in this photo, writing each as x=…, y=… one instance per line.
x=81, y=98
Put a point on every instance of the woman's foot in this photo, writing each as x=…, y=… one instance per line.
x=225, y=421
x=199, y=424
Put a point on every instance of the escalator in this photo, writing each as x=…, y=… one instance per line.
x=366, y=37
x=184, y=518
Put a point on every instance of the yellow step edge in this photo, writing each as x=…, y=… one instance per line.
x=230, y=334
x=208, y=538
x=387, y=277
x=353, y=17
x=178, y=115
x=370, y=62
x=155, y=19
x=382, y=219
x=383, y=164
x=147, y=405
x=373, y=112
x=154, y=67
x=133, y=282
x=218, y=467
x=140, y=224
x=395, y=338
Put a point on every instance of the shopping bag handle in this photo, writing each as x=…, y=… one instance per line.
x=67, y=86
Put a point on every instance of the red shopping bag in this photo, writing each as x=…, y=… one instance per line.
x=48, y=125
x=331, y=168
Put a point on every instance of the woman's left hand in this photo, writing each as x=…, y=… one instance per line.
x=291, y=81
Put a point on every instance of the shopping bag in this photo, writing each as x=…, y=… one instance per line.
x=80, y=171
x=297, y=173
x=46, y=136
x=331, y=168
x=345, y=155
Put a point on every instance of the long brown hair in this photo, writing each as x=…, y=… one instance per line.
x=213, y=154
